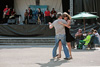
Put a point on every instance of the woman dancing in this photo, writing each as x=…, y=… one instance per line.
x=69, y=37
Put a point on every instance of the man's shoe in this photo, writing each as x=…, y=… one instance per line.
x=67, y=58
x=56, y=59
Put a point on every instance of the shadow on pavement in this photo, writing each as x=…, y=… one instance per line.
x=80, y=50
x=52, y=63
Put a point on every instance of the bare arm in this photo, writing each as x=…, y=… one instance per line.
x=69, y=22
x=78, y=34
x=66, y=25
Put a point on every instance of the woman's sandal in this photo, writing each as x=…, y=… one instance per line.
x=58, y=56
x=71, y=57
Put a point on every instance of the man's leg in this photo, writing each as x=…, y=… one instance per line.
x=63, y=40
x=56, y=46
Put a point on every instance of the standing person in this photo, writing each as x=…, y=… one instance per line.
x=60, y=36
x=30, y=13
x=53, y=14
x=53, y=11
x=47, y=16
x=5, y=11
x=68, y=11
x=69, y=37
x=8, y=13
x=39, y=16
x=26, y=17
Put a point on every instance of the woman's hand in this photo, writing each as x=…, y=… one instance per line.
x=69, y=27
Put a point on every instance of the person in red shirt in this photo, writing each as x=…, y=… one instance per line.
x=13, y=14
x=5, y=11
x=47, y=16
x=8, y=14
x=53, y=11
x=53, y=14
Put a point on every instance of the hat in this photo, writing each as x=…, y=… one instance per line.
x=65, y=13
x=59, y=13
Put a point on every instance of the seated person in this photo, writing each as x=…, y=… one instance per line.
x=13, y=13
x=84, y=43
x=79, y=36
x=97, y=38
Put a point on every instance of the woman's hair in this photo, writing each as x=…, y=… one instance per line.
x=95, y=31
x=39, y=8
x=66, y=15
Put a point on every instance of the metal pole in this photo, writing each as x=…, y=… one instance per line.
x=71, y=9
x=84, y=23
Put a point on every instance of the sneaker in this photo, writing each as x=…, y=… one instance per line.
x=56, y=59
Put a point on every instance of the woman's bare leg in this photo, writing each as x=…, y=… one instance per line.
x=69, y=47
x=60, y=48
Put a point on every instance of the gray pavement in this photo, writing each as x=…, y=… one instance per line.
x=41, y=56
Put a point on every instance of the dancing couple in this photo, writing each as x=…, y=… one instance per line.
x=62, y=27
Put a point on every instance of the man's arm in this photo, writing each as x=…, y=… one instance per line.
x=50, y=25
x=76, y=34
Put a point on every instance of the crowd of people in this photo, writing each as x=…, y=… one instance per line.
x=63, y=37
x=38, y=15
x=89, y=40
x=41, y=17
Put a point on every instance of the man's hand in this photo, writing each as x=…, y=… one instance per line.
x=50, y=25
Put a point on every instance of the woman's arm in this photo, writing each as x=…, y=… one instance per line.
x=66, y=25
x=69, y=22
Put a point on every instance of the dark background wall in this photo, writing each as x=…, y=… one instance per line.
x=65, y=5
x=87, y=6
x=3, y=3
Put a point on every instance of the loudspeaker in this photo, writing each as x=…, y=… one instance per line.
x=11, y=21
x=32, y=21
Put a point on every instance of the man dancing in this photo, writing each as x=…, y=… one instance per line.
x=60, y=36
